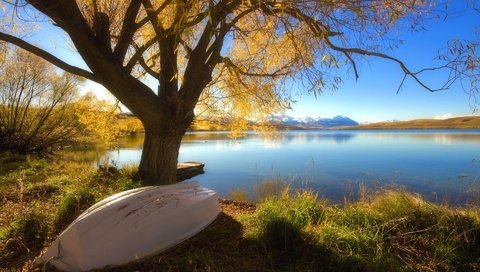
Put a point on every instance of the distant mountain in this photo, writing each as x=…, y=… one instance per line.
x=309, y=122
x=337, y=121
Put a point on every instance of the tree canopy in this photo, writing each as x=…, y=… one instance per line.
x=241, y=55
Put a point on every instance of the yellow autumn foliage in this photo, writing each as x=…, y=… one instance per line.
x=98, y=118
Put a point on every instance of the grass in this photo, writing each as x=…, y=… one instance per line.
x=23, y=237
x=39, y=198
x=71, y=206
x=393, y=231
x=262, y=190
x=388, y=230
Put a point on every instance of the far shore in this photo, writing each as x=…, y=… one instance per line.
x=467, y=122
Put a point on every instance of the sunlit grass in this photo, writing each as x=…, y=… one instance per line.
x=265, y=189
x=394, y=231
x=270, y=187
x=239, y=194
x=129, y=169
x=47, y=195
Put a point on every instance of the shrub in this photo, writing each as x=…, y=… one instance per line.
x=37, y=114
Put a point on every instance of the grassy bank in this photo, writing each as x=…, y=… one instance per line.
x=293, y=231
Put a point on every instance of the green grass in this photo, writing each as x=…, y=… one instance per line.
x=396, y=231
x=389, y=230
x=71, y=206
x=40, y=198
x=24, y=237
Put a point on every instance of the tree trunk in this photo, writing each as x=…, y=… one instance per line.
x=158, y=165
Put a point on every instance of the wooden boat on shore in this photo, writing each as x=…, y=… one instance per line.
x=186, y=170
x=131, y=225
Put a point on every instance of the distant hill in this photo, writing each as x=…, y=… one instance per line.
x=457, y=122
x=309, y=122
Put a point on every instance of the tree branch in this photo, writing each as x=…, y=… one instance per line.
x=152, y=17
x=323, y=32
x=187, y=48
x=147, y=68
x=138, y=54
x=168, y=76
x=346, y=50
x=156, y=12
x=315, y=26
x=127, y=32
x=48, y=57
x=229, y=63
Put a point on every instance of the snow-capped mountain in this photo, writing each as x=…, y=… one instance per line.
x=313, y=122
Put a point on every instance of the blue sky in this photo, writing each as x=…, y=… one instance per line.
x=373, y=96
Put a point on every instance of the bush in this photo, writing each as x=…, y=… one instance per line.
x=36, y=115
x=44, y=112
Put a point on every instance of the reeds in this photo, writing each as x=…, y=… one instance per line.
x=393, y=231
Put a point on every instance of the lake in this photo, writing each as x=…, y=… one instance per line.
x=442, y=165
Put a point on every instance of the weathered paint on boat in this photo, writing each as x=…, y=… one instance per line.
x=132, y=225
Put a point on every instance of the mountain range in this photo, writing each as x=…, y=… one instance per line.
x=309, y=122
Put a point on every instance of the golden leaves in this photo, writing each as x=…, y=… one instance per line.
x=98, y=117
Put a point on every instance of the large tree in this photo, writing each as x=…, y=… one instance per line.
x=247, y=50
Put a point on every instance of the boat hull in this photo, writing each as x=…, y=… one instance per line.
x=133, y=225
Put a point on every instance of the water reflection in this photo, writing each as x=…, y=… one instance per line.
x=438, y=136
x=301, y=137
x=425, y=161
x=85, y=155
x=132, y=141
x=274, y=140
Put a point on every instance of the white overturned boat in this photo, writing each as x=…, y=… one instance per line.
x=132, y=225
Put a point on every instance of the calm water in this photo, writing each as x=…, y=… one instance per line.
x=436, y=163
